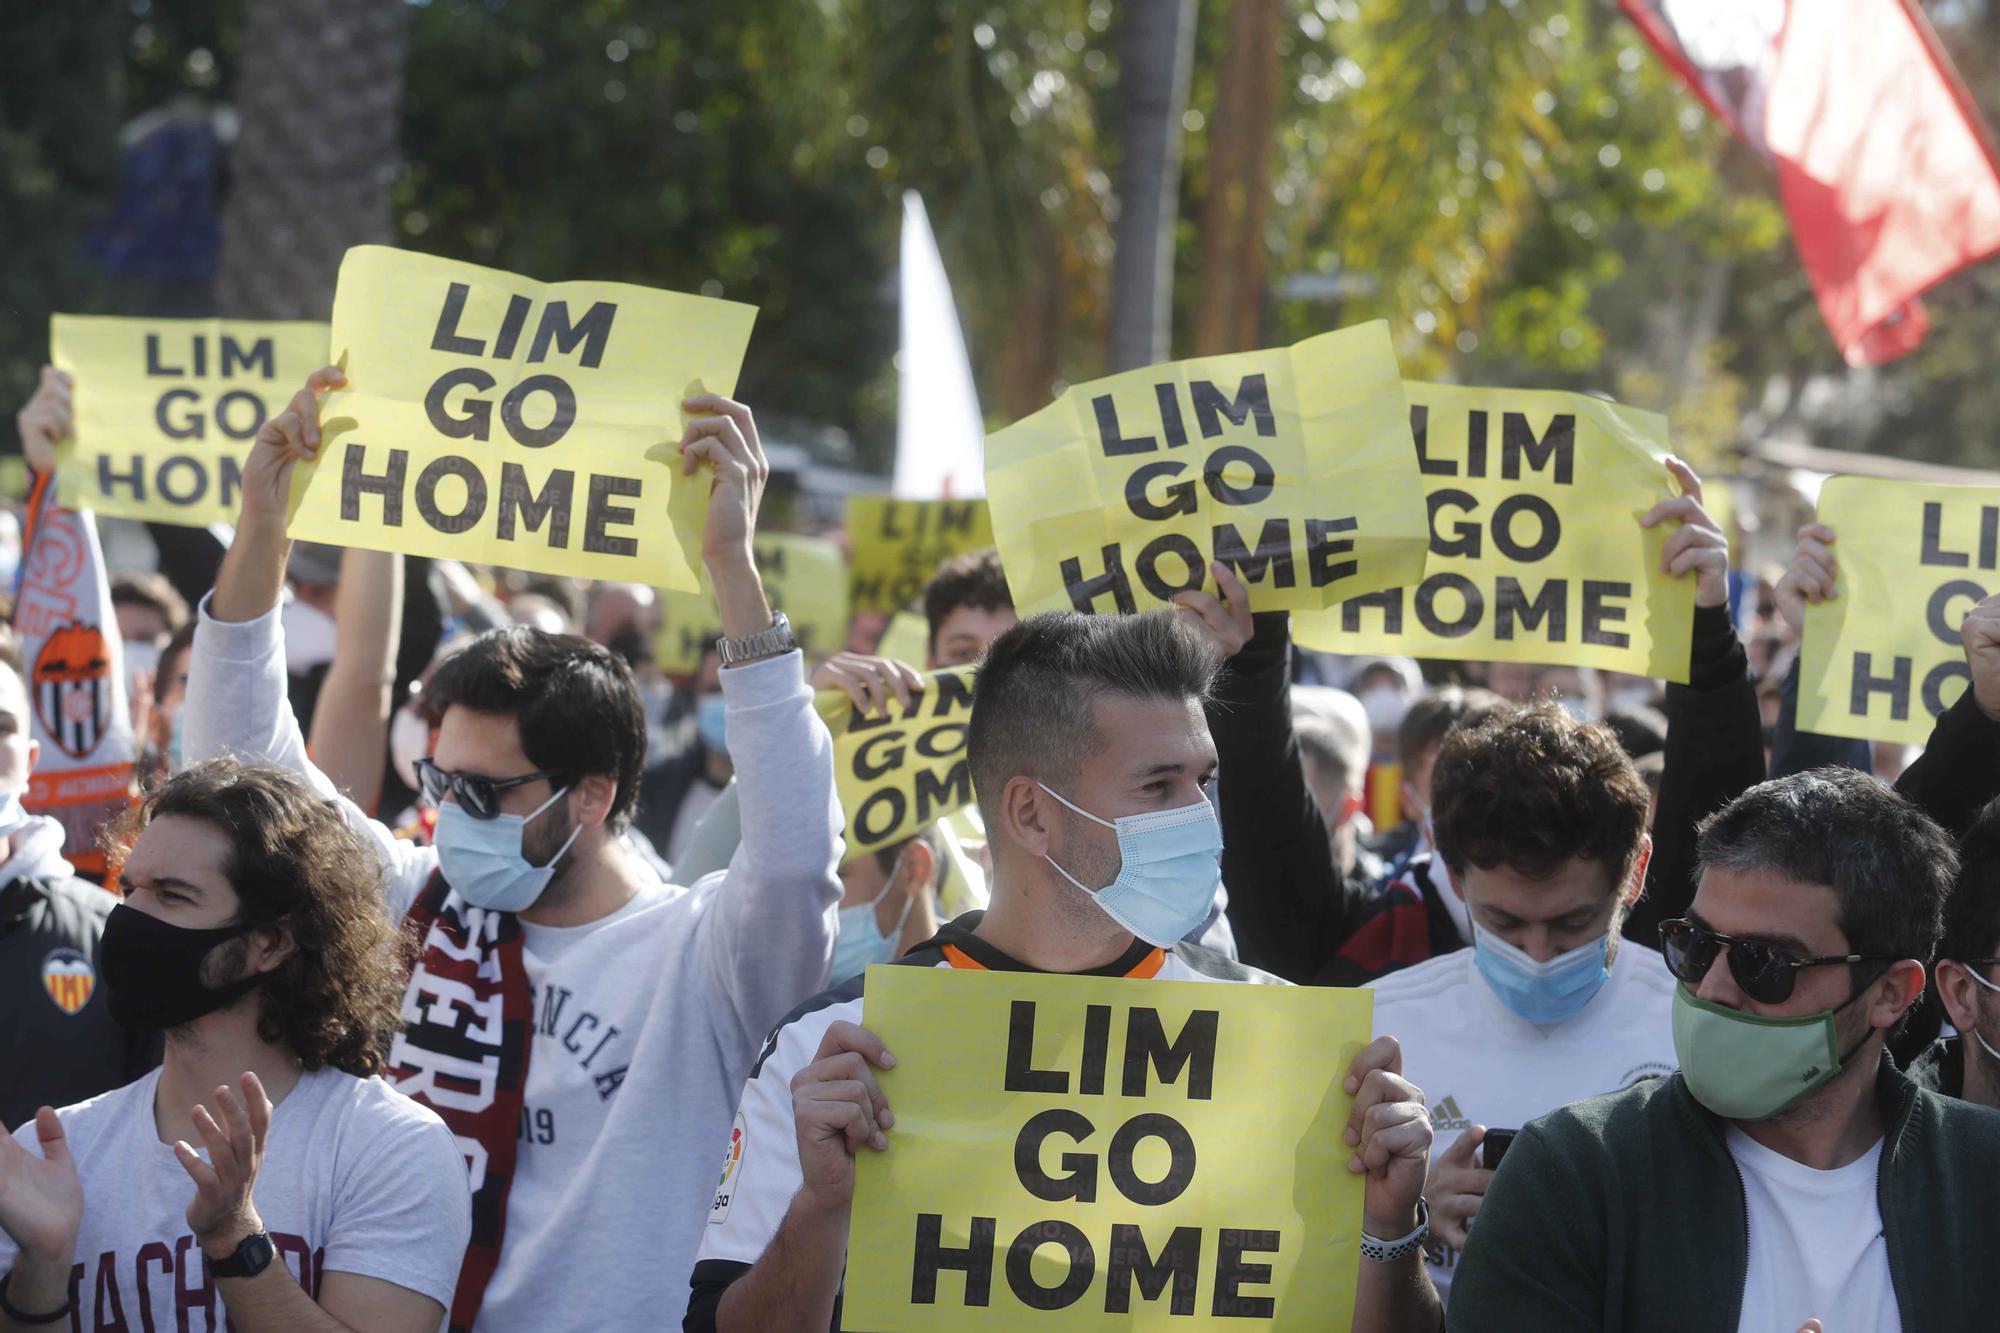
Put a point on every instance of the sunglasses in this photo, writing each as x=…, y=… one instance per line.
x=1764, y=972
x=477, y=796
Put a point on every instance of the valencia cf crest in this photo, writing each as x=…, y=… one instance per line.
x=69, y=979
x=72, y=684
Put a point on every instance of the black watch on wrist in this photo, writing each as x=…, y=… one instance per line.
x=252, y=1256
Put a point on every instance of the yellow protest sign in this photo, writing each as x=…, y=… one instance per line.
x=1883, y=658
x=805, y=577
x=496, y=419
x=165, y=409
x=1536, y=552
x=1291, y=466
x=1091, y=1152
x=897, y=772
x=897, y=545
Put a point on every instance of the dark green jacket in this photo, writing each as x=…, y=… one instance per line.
x=1627, y=1212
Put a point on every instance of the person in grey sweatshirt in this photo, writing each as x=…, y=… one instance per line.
x=582, y=1027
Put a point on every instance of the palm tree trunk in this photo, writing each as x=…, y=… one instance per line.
x=321, y=97
x=1155, y=52
x=1228, y=316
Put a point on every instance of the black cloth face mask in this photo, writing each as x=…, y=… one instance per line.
x=152, y=970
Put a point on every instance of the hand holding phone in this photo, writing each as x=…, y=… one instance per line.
x=1494, y=1147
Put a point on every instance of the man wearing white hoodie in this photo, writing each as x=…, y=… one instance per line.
x=58, y=1043
x=581, y=1027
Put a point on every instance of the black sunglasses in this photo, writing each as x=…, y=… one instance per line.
x=477, y=796
x=1765, y=972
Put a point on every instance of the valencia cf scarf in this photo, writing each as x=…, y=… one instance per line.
x=467, y=1059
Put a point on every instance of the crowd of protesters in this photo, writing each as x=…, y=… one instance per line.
x=447, y=937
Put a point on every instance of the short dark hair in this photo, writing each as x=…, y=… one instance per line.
x=1439, y=712
x=1531, y=789
x=1034, y=699
x=573, y=702
x=293, y=858
x=974, y=579
x=1972, y=915
x=1890, y=866
x=152, y=591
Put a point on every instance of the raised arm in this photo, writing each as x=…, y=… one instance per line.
x=768, y=936
x=236, y=694
x=1715, y=738
x=350, y=733
x=1958, y=773
x=1289, y=905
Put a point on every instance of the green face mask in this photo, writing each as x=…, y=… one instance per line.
x=1748, y=1067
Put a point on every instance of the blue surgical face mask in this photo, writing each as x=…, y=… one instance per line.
x=1542, y=992
x=711, y=722
x=483, y=861
x=1170, y=864
x=174, y=742
x=861, y=941
x=12, y=813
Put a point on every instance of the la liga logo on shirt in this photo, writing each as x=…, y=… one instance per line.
x=732, y=1160
x=69, y=979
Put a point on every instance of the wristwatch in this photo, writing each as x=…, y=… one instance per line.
x=252, y=1256
x=764, y=643
x=1389, y=1251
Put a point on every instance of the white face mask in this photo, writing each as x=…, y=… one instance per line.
x=1385, y=706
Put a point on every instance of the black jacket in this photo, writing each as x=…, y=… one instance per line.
x=58, y=1045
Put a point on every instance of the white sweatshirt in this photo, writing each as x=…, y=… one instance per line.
x=646, y=1022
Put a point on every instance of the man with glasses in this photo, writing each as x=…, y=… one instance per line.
x=1788, y=1172
x=581, y=1027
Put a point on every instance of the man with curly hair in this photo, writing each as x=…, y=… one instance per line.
x=1541, y=830
x=264, y=1175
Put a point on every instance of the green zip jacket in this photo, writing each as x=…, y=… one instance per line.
x=1627, y=1212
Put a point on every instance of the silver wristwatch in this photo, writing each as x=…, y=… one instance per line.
x=764, y=643
x=1389, y=1251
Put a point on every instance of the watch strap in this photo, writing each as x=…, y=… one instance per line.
x=251, y=1256
x=775, y=638
x=1389, y=1251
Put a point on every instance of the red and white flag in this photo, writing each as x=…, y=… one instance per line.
x=1888, y=178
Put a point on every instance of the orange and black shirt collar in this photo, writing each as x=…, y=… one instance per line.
x=959, y=947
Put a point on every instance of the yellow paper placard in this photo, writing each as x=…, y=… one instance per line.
x=1536, y=550
x=896, y=773
x=898, y=544
x=496, y=419
x=805, y=577
x=165, y=409
x=1106, y=1126
x=1883, y=659
x=1291, y=466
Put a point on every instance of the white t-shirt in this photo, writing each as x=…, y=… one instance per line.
x=1816, y=1247
x=357, y=1178
x=1480, y=1063
x=645, y=1021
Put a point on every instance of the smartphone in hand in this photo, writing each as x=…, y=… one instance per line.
x=1494, y=1147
